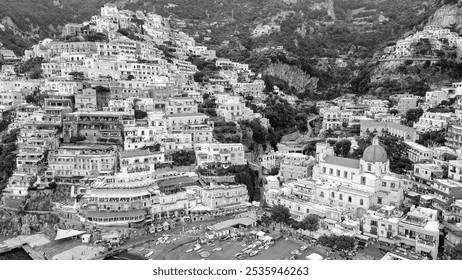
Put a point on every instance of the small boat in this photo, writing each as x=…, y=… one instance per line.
x=189, y=250
x=149, y=254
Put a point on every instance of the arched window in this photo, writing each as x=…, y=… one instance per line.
x=349, y=199
x=340, y=196
x=369, y=167
x=332, y=195
x=361, y=202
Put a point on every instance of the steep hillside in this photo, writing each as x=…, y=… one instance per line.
x=26, y=21
x=409, y=74
x=330, y=41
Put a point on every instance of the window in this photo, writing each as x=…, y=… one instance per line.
x=361, y=202
x=340, y=196
x=345, y=174
x=338, y=173
x=331, y=171
x=349, y=199
x=392, y=185
x=379, y=200
x=384, y=184
x=363, y=180
x=332, y=195
x=321, y=194
x=369, y=167
x=324, y=170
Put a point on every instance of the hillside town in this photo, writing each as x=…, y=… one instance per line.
x=127, y=136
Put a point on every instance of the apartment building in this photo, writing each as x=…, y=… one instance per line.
x=224, y=196
x=296, y=166
x=418, y=153
x=219, y=154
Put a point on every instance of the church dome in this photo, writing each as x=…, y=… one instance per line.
x=375, y=153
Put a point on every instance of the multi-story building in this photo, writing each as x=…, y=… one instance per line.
x=423, y=175
x=432, y=122
x=93, y=126
x=198, y=125
x=332, y=119
x=418, y=153
x=88, y=161
x=434, y=98
x=454, y=136
x=452, y=218
x=219, y=154
x=420, y=230
x=86, y=100
x=232, y=108
x=406, y=103
x=181, y=105
x=224, y=196
x=443, y=192
x=382, y=223
x=296, y=166
x=383, y=128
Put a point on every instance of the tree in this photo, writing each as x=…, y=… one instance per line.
x=456, y=252
x=280, y=214
x=183, y=158
x=199, y=77
x=342, y=147
x=130, y=77
x=345, y=242
x=394, y=112
x=310, y=223
x=448, y=156
x=413, y=115
x=266, y=220
x=140, y=114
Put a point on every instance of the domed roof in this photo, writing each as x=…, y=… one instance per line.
x=375, y=153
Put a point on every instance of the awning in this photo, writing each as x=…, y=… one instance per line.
x=200, y=207
x=362, y=237
x=386, y=240
x=370, y=235
x=314, y=257
x=67, y=233
x=329, y=221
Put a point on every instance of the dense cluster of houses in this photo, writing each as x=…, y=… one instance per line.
x=363, y=197
x=87, y=141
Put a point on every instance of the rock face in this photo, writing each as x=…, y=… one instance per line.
x=447, y=15
x=293, y=75
x=330, y=9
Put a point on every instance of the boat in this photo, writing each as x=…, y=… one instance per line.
x=217, y=249
x=149, y=254
x=253, y=253
x=189, y=250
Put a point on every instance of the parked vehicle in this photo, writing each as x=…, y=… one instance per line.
x=253, y=253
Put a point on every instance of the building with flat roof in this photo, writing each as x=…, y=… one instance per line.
x=418, y=153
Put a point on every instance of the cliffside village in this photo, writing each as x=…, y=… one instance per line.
x=87, y=143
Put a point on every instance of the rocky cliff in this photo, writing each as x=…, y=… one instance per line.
x=293, y=75
x=447, y=15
